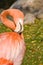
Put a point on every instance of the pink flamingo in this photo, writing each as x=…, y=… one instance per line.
x=12, y=45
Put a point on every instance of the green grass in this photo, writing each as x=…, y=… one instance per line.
x=33, y=35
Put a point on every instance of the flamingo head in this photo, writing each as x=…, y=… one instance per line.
x=17, y=23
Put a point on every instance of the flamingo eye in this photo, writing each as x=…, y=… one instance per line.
x=10, y=17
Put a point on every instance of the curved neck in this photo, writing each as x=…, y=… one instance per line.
x=15, y=24
x=6, y=21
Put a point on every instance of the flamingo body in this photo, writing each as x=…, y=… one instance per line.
x=12, y=47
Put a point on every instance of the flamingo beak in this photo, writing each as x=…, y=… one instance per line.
x=19, y=26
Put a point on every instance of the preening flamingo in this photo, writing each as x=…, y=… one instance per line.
x=12, y=45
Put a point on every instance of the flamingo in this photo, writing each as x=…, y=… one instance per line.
x=12, y=45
